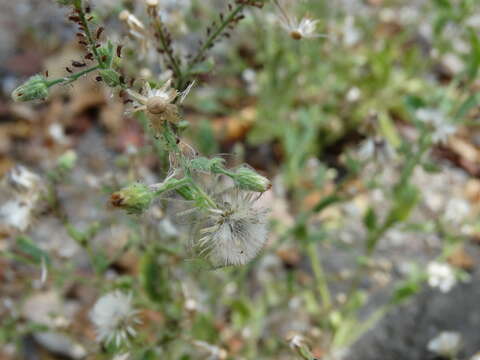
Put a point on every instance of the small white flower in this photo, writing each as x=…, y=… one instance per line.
x=456, y=210
x=447, y=344
x=232, y=233
x=442, y=129
x=20, y=192
x=377, y=149
x=441, y=276
x=214, y=352
x=114, y=317
x=297, y=29
x=296, y=342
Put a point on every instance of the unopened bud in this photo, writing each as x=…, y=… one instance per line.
x=135, y=198
x=110, y=77
x=248, y=179
x=33, y=89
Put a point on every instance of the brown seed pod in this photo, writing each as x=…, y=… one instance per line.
x=170, y=113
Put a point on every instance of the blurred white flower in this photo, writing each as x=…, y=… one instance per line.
x=297, y=29
x=377, y=149
x=456, y=210
x=447, y=344
x=296, y=341
x=442, y=129
x=351, y=35
x=114, y=317
x=476, y=356
x=20, y=192
x=124, y=356
x=232, y=233
x=441, y=276
x=214, y=352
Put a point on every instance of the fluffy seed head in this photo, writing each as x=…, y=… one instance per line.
x=114, y=317
x=232, y=233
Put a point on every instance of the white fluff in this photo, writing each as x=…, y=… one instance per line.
x=114, y=316
x=234, y=232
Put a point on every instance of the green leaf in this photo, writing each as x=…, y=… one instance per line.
x=154, y=278
x=404, y=291
x=28, y=247
x=370, y=220
x=474, y=58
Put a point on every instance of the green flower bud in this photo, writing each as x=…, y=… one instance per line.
x=135, y=198
x=33, y=89
x=248, y=179
x=110, y=77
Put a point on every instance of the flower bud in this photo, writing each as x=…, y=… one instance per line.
x=248, y=179
x=33, y=89
x=110, y=77
x=135, y=198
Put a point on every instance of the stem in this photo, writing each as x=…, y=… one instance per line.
x=320, y=277
x=415, y=160
x=171, y=186
x=209, y=42
x=73, y=77
x=91, y=41
x=167, y=49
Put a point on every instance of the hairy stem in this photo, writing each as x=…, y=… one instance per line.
x=167, y=48
x=92, y=43
x=73, y=77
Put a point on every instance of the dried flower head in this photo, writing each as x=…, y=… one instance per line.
x=135, y=26
x=114, y=317
x=233, y=232
x=158, y=103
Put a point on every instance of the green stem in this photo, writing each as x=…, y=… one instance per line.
x=319, y=274
x=171, y=185
x=209, y=42
x=72, y=78
x=167, y=49
x=415, y=160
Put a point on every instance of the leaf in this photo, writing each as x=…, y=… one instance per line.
x=388, y=130
x=28, y=247
x=405, y=290
x=154, y=278
x=474, y=58
x=370, y=220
